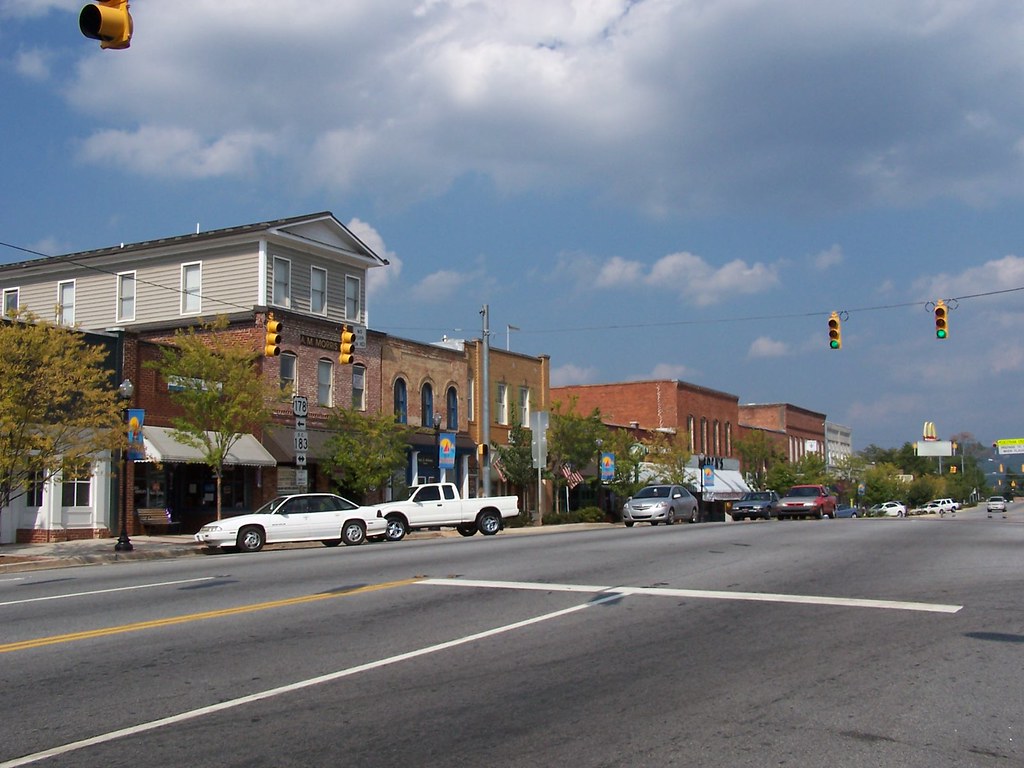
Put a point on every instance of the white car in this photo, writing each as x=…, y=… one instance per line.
x=942, y=506
x=996, y=504
x=320, y=517
x=892, y=509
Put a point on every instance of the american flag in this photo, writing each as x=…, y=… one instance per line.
x=498, y=468
x=572, y=477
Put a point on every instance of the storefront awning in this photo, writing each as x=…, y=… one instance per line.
x=280, y=441
x=161, y=446
x=725, y=484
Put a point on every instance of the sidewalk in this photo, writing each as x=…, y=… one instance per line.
x=60, y=554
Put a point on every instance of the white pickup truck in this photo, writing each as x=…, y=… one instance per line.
x=434, y=505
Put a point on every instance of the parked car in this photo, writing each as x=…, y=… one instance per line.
x=944, y=505
x=996, y=504
x=437, y=505
x=660, y=504
x=806, y=501
x=890, y=509
x=322, y=517
x=755, y=504
x=847, y=511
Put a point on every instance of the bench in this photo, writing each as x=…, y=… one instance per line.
x=155, y=518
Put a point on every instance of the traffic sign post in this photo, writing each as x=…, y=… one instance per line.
x=300, y=408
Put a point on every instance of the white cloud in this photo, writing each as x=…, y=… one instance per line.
x=569, y=374
x=409, y=96
x=831, y=257
x=690, y=276
x=175, y=152
x=671, y=371
x=766, y=347
x=378, y=279
x=441, y=286
x=33, y=64
x=990, y=277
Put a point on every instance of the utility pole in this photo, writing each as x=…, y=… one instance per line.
x=485, y=405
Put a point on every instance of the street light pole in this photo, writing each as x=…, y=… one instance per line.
x=124, y=544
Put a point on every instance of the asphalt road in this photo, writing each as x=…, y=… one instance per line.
x=894, y=642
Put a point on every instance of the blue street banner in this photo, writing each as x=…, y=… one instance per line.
x=607, y=467
x=136, y=445
x=446, y=451
x=709, y=476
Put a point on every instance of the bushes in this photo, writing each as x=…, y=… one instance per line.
x=584, y=515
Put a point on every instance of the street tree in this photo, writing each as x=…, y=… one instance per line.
x=630, y=454
x=573, y=439
x=220, y=389
x=759, y=454
x=669, y=454
x=515, y=460
x=58, y=405
x=365, y=450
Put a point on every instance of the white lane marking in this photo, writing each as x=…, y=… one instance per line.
x=764, y=597
x=106, y=591
x=291, y=688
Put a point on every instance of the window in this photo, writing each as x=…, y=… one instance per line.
x=401, y=402
x=66, y=303
x=34, y=494
x=452, y=406
x=471, y=400
x=191, y=289
x=353, y=304
x=524, y=406
x=126, y=296
x=717, y=441
x=728, y=438
x=287, y=374
x=503, y=403
x=703, y=434
x=318, y=291
x=282, y=282
x=10, y=301
x=689, y=428
x=75, y=487
x=359, y=387
x=324, y=383
x=427, y=405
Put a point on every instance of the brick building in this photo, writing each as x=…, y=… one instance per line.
x=796, y=431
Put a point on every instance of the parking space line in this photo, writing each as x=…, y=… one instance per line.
x=701, y=594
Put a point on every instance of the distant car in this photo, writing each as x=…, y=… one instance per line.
x=847, y=511
x=889, y=509
x=322, y=517
x=660, y=504
x=996, y=504
x=944, y=505
x=755, y=504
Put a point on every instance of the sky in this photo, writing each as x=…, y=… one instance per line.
x=641, y=189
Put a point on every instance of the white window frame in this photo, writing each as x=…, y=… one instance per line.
x=502, y=403
x=325, y=399
x=524, y=406
x=471, y=400
x=124, y=279
x=359, y=392
x=9, y=305
x=315, y=293
x=65, y=310
x=293, y=380
x=191, y=294
x=281, y=290
x=353, y=298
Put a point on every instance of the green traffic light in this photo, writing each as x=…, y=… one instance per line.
x=834, y=344
x=940, y=334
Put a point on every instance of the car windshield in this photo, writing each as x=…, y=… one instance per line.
x=653, y=492
x=997, y=498
x=271, y=506
x=806, y=491
x=759, y=496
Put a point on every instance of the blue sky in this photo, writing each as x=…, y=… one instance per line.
x=646, y=188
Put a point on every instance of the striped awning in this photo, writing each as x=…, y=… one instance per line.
x=163, y=447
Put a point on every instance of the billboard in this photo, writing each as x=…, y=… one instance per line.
x=934, y=448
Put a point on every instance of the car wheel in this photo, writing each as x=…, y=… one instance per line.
x=331, y=542
x=251, y=539
x=396, y=529
x=489, y=523
x=466, y=530
x=353, y=533
x=737, y=518
x=671, y=519
x=628, y=523
x=853, y=514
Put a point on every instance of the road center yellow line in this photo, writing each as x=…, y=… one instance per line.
x=39, y=642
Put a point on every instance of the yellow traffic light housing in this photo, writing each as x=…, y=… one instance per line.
x=835, y=331
x=941, y=320
x=272, y=342
x=107, y=21
x=348, y=340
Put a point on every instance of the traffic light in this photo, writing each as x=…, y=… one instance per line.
x=107, y=21
x=348, y=340
x=952, y=469
x=941, y=320
x=272, y=344
x=835, y=331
